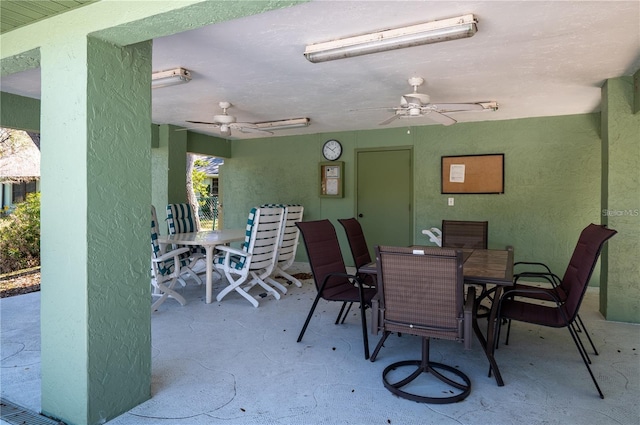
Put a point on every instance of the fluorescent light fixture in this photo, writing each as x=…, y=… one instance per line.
x=170, y=77
x=398, y=38
x=283, y=124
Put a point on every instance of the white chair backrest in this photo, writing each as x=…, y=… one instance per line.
x=290, y=234
x=264, y=225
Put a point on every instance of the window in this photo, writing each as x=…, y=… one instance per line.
x=213, y=189
x=20, y=191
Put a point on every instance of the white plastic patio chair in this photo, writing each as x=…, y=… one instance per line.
x=166, y=267
x=255, y=261
x=288, y=244
x=180, y=219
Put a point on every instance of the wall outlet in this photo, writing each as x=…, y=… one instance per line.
x=450, y=202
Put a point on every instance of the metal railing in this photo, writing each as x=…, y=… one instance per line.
x=208, y=212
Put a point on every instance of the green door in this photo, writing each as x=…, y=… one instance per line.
x=384, y=202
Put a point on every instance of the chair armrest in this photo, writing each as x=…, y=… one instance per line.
x=468, y=316
x=228, y=252
x=233, y=251
x=552, y=278
x=351, y=277
x=532, y=263
x=171, y=254
x=539, y=294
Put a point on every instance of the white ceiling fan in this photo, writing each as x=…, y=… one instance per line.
x=226, y=123
x=419, y=105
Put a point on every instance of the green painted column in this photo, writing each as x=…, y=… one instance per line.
x=159, y=175
x=619, y=292
x=169, y=169
x=176, y=142
x=96, y=186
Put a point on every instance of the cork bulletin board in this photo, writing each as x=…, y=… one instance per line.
x=473, y=174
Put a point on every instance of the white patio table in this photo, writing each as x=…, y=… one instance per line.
x=208, y=239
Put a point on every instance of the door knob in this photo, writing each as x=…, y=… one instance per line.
x=360, y=215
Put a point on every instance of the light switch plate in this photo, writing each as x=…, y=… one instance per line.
x=450, y=202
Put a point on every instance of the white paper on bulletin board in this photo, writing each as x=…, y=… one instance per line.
x=456, y=173
x=332, y=186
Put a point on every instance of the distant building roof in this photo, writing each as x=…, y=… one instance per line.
x=210, y=167
x=19, y=156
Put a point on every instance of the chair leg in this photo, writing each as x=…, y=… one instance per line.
x=576, y=329
x=425, y=366
x=234, y=285
x=586, y=332
x=364, y=328
x=379, y=346
x=167, y=291
x=288, y=277
x=345, y=313
x=584, y=359
x=306, y=322
x=277, y=284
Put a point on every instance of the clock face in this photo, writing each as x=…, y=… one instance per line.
x=332, y=150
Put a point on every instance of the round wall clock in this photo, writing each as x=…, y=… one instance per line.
x=331, y=150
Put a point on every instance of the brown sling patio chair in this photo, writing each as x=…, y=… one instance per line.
x=468, y=235
x=464, y=234
x=522, y=303
x=359, y=251
x=330, y=273
x=420, y=292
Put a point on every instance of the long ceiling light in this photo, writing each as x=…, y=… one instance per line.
x=170, y=77
x=283, y=124
x=398, y=38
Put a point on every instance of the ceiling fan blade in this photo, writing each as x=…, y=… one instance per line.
x=459, y=107
x=197, y=124
x=203, y=122
x=441, y=118
x=390, y=119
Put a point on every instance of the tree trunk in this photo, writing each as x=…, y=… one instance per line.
x=191, y=196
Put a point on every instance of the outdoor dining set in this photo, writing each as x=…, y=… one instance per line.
x=432, y=292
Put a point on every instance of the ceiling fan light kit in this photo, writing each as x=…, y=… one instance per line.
x=170, y=77
x=391, y=39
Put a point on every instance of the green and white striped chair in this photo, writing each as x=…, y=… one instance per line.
x=247, y=267
x=181, y=219
x=288, y=244
x=166, y=267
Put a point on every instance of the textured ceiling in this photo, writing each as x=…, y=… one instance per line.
x=18, y=13
x=535, y=58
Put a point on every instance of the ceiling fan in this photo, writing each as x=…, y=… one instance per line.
x=226, y=123
x=419, y=105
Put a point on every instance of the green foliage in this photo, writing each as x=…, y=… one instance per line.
x=20, y=236
x=197, y=179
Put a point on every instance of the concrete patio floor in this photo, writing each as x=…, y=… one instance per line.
x=231, y=363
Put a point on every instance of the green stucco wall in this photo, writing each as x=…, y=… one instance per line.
x=620, y=292
x=552, y=179
x=19, y=112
